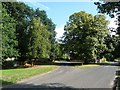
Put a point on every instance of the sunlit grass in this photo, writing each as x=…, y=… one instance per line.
x=87, y=66
x=10, y=76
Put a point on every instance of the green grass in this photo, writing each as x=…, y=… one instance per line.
x=87, y=66
x=10, y=76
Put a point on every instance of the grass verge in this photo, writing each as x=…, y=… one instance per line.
x=87, y=66
x=119, y=82
x=10, y=76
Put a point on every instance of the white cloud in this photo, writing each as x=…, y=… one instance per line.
x=60, y=31
x=35, y=4
x=113, y=23
x=39, y=5
x=59, y=0
x=45, y=7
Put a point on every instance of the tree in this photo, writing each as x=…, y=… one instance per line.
x=84, y=36
x=110, y=42
x=39, y=45
x=9, y=42
x=50, y=26
x=24, y=15
x=0, y=38
x=59, y=52
x=111, y=9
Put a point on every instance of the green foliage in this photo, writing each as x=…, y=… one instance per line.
x=0, y=36
x=116, y=43
x=9, y=42
x=111, y=42
x=84, y=36
x=22, y=14
x=118, y=59
x=39, y=45
x=107, y=7
x=111, y=9
x=50, y=26
x=103, y=60
x=36, y=38
x=59, y=52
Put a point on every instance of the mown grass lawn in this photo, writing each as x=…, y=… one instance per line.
x=10, y=76
x=87, y=66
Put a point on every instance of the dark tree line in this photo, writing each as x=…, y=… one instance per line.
x=112, y=9
x=88, y=38
x=29, y=34
x=26, y=33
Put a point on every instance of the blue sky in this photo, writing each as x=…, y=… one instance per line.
x=59, y=12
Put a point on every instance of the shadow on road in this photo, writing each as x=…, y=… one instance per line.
x=46, y=86
x=5, y=82
x=109, y=64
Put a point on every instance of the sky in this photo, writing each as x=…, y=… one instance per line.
x=60, y=11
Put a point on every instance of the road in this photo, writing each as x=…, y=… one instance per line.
x=68, y=77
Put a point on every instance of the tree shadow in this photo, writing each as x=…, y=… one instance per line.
x=45, y=86
x=46, y=63
x=109, y=64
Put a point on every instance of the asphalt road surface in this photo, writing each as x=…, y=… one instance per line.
x=68, y=77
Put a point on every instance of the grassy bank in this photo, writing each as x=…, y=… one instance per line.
x=10, y=76
x=119, y=82
x=87, y=66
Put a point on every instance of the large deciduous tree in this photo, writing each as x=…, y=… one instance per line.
x=39, y=44
x=9, y=42
x=112, y=9
x=50, y=26
x=25, y=18
x=22, y=14
x=84, y=36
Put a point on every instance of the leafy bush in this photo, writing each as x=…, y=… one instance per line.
x=103, y=60
x=118, y=59
x=7, y=64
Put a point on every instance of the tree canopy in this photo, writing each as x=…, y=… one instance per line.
x=30, y=32
x=9, y=42
x=39, y=45
x=84, y=36
x=112, y=9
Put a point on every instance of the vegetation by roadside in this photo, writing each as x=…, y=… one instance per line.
x=105, y=63
x=119, y=82
x=10, y=76
x=87, y=66
x=118, y=79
